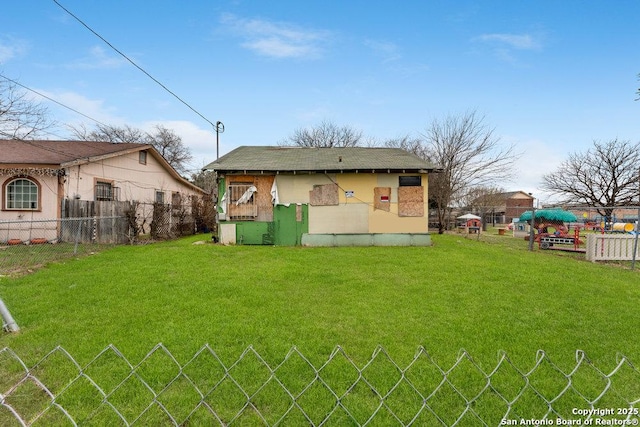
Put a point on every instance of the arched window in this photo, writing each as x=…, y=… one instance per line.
x=22, y=194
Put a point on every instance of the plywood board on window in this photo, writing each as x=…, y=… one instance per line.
x=382, y=198
x=263, y=197
x=324, y=195
x=410, y=201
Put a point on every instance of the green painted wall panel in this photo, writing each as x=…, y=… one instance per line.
x=254, y=233
x=288, y=230
x=285, y=230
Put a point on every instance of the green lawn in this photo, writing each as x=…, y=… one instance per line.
x=458, y=294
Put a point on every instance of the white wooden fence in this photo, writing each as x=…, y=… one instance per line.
x=604, y=247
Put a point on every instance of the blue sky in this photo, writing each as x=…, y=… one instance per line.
x=549, y=76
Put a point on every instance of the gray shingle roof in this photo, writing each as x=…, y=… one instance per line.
x=303, y=159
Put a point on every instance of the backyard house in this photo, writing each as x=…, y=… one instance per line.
x=322, y=196
x=39, y=180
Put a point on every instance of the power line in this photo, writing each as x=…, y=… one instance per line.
x=51, y=99
x=133, y=63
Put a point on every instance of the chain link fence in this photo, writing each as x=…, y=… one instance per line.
x=26, y=245
x=160, y=390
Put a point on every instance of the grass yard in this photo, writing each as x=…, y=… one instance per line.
x=458, y=294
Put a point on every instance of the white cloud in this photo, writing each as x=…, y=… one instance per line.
x=503, y=46
x=11, y=48
x=538, y=158
x=94, y=108
x=387, y=50
x=513, y=41
x=277, y=39
x=98, y=58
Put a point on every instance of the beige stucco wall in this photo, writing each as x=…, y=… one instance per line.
x=48, y=201
x=353, y=214
x=136, y=181
x=295, y=188
x=344, y=218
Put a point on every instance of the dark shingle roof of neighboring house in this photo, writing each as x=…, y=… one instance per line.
x=60, y=152
x=305, y=159
x=63, y=154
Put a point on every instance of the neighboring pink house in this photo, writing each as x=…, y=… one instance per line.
x=35, y=176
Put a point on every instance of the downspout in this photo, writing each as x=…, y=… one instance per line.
x=77, y=184
x=60, y=197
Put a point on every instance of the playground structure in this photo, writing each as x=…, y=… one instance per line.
x=551, y=230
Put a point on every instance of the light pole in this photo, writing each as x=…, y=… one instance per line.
x=219, y=129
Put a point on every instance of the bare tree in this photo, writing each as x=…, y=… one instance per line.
x=484, y=200
x=412, y=145
x=20, y=116
x=469, y=154
x=164, y=140
x=326, y=134
x=206, y=180
x=109, y=133
x=170, y=145
x=603, y=177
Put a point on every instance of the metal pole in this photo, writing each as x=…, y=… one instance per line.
x=219, y=130
x=531, y=232
x=12, y=326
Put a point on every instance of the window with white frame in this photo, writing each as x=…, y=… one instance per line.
x=22, y=194
x=159, y=196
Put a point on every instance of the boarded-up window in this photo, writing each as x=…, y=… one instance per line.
x=410, y=201
x=382, y=198
x=242, y=201
x=324, y=195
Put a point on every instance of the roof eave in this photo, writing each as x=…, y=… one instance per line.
x=327, y=170
x=90, y=159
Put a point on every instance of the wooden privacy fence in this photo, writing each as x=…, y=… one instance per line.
x=104, y=221
x=611, y=247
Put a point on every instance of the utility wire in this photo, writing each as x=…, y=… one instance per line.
x=134, y=64
x=50, y=99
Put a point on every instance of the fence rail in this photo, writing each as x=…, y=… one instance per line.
x=611, y=247
x=25, y=245
x=159, y=390
x=28, y=244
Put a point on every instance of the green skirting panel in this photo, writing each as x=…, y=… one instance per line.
x=365, y=239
